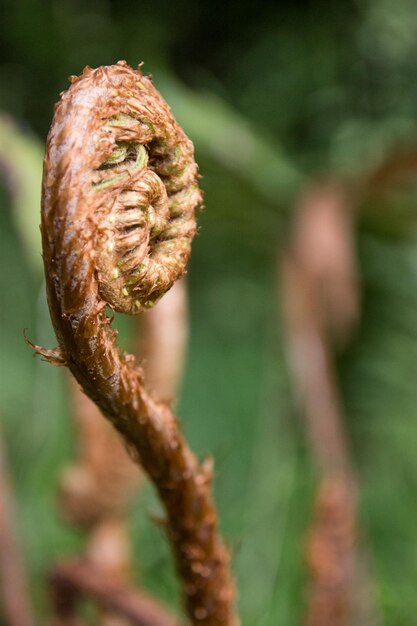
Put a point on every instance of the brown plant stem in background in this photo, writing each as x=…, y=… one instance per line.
x=313, y=375
x=13, y=582
x=72, y=580
x=103, y=478
x=162, y=342
x=331, y=555
x=95, y=491
x=119, y=194
x=321, y=302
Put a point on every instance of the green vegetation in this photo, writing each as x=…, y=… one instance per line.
x=272, y=99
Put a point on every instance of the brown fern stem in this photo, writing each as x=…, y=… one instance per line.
x=119, y=194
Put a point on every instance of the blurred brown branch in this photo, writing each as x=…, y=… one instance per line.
x=71, y=580
x=321, y=307
x=162, y=342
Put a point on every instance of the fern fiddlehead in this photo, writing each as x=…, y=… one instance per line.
x=118, y=203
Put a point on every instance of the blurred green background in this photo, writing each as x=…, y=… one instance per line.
x=273, y=95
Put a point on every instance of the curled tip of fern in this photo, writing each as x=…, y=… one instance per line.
x=119, y=162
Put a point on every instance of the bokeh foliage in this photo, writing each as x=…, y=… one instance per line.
x=272, y=96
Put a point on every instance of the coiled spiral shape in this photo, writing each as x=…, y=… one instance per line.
x=135, y=175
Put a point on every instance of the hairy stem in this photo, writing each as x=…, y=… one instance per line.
x=117, y=223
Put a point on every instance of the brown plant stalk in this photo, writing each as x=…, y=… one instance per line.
x=118, y=200
x=162, y=342
x=101, y=481
x=71, y=580
x=321, y=304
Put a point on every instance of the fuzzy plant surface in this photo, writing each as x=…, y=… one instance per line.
x=118, y=215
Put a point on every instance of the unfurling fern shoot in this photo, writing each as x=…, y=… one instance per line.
x=118, y=216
